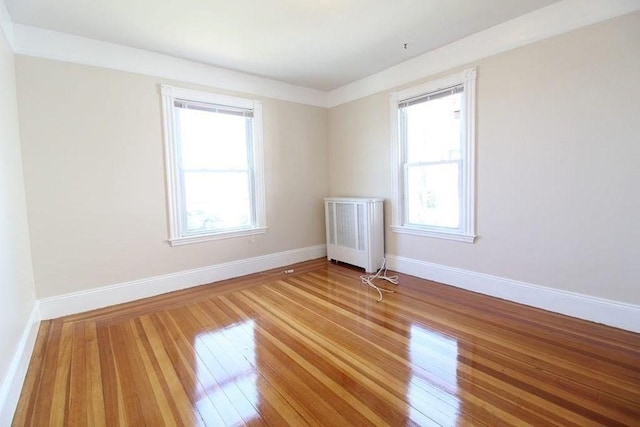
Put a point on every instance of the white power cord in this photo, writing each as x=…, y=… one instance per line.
x=380, y=274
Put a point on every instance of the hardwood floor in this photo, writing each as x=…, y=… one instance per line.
x=314, y=348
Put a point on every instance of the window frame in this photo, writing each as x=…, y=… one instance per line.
x=178, y=234
x=399, y=224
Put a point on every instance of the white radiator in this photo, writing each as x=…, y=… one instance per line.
x=355, y=231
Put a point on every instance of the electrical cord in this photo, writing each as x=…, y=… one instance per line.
x=380, y=274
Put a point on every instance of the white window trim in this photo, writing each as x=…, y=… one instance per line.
x=169, y=95
x=466, y=233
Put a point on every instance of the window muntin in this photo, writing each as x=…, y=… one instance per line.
x=433, y=130
x=213, y=146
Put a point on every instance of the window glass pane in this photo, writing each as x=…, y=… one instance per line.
x=433, y=195
x=210, y=140
x=433, y=129
x=216, y=200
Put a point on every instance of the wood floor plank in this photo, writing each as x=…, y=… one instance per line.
x=324, y=406
x=179, y=400
x=239, y=371
x=110, y=379
x=41, y=410
x=268, y=353
x=388, y=358
x=208, y=391
x=78, y=397
x=95, y=410
x=333, y=358
x=315, y=348
x=275, y=368
x=395, y=363
x=60, y=392
x=468, y=328
x=166, y=406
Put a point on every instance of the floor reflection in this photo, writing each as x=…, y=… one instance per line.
x=433, y=387
x=226, y=361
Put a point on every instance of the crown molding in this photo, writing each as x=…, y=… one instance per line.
x=556, y=19
x=42, y=43
x=6, y=24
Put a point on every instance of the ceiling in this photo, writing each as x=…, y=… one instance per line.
x=321, y=44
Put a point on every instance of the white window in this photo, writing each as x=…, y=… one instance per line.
x=213, y=150
x=432, y=127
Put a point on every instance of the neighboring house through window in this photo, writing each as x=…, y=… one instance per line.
x=213, y=149
x=432, y=127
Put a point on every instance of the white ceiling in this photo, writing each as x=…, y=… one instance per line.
x=321, y=44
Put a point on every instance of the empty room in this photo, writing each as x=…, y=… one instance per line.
x=221, y=213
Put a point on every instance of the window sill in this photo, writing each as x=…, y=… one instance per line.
x=416, y=231
x=179, y=241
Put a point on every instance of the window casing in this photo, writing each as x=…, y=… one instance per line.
x=213, y=151
x=433, y=154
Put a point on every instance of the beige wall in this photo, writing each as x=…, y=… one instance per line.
x=95, y=182
x=16, y=275
x=558, y=151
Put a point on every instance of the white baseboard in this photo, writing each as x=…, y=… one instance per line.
x=78, y=302
x=12, y=385
x=599, y=310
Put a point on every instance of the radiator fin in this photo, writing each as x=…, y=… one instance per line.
x=345, y=223
x=331, y=221
x=360, y=226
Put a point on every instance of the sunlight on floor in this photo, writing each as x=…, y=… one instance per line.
x=433, y=387
x=226, y=369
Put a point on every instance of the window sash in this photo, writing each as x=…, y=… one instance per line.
x=180, y=232
x=183, y=213
x=408, y=167
x=403, y=117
